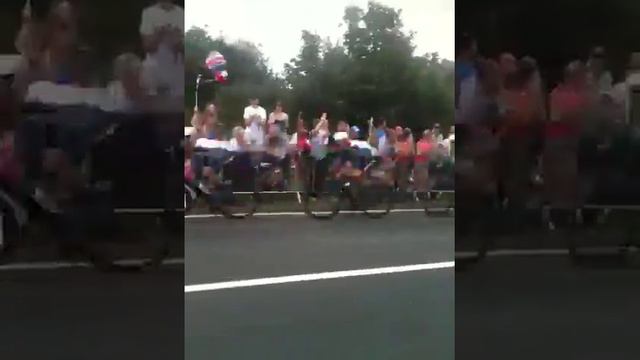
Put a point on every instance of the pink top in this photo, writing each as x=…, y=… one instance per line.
x=564, y=102
x=423, y=148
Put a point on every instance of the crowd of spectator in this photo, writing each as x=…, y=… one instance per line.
x=276, y=136
x=54, y=69
x=524, y=145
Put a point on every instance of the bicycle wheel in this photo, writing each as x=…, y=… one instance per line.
x=322, y=206
x=321, y=199
x=443, y=201
x=238, y=205
x=376, y=200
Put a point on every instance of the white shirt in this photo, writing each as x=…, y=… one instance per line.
x=382, y=143
x=294, y=139
x=163, y=69
x=447, y=143
x=604, y=83
x=255, y=130
x=341, y=135
x=233, y=145
x=319, y=145
x=212, y=144
x=361, y=144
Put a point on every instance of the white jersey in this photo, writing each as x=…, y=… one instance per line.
x=213, y=144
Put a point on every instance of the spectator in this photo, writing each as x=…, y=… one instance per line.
x=198, y=124
x=255, y=118
x=378, y=133
x=126, y=90
x=354, y=133
x=399, y=131
x=319, y=138
x=465, y=71
x=238, y=141
x=437, y=134
x=30, y=43
x=424, y=147
x=404, y=151
x=210, y=121
x=569, y=104
x=279, y=119
x=162, y=30
x=599, y=76
x=449, y=142
x=343, y=126
x=61, y=53
x=508, y=66
x=476, y=159
x=49, y=50
x=519, y=119
x=632, y=86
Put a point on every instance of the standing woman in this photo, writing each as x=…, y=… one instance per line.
x=198, y=129
x=405, y=151
x=424, y=147
x=570, y=102
x=61, y=53
x=49, y=48
x=30, y=43
x=210, y=122
x=279, y=119
x=518, y=133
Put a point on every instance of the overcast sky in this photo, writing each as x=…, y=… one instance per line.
x=276, y=25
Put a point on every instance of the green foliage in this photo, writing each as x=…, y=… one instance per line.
x=372, y=73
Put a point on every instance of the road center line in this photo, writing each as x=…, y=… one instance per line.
x=317, y=276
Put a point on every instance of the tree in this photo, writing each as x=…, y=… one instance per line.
x=371, y=72
x=249, y=76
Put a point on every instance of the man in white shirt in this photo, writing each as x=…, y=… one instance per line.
x=162, y=30
x=255, y=118
x=449, y=142
x=599, y=77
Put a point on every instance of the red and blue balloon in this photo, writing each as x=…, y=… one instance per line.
x=217, y=64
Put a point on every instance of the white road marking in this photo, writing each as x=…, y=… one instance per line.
x=314, y=277
x=301, y=213
x=57, y=265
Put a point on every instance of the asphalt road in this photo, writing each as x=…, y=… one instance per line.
x=77, y=313
x=528, y=300
x=406, y=315
x=542, y=307
x=52, y=309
